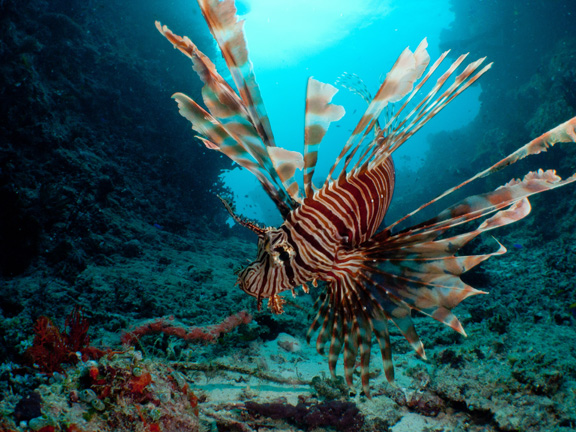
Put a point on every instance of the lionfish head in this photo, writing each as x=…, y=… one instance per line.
x=271, y=272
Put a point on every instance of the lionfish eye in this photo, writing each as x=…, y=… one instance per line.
x=282, y=253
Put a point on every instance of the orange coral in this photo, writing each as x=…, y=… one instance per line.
x=139, y=383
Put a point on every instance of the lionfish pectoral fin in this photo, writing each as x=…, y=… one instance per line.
x=532, y=183
x=286, y=162
x=411, y=270
x=236, y=123
x=416, y=270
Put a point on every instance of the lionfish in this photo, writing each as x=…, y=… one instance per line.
x=331, y=233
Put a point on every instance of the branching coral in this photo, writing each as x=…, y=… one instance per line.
x=208, y=333
x=51, y=348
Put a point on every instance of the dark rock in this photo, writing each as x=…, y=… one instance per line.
x=28, y=407
x=132, y=249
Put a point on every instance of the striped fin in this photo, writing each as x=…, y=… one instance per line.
x=347, y=316
x=420, y=269
x=220, y=139
x=479, y=205
x=221, y=100
x=403, y=82
x=398, y=274
x=346, y=328
x=427, y=108
x=399, y=129
x=565, y=132
x=286, y=163
x=229, y=34
x=237, y=125
x=426, y=275
x=319, y=114
x=383, y=338
x=395, y=281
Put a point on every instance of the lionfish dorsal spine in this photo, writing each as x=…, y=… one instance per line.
x=407, y=69
x=228, y=32
x=319, y=113
x=431, y=106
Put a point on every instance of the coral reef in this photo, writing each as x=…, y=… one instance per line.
x=121, y=391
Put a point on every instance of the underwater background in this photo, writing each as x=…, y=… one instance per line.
x=118, y=310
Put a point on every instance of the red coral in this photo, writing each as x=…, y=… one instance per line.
x=76, y=331
x=208, y=333
x=194, y=402
x=51, y=348
x=229, y=324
